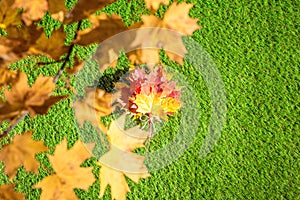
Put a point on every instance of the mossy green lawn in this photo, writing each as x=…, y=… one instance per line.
x=255, y=45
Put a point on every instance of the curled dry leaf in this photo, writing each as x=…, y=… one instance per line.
x=32, y=10
x=22, y=98
x=68, y=173
x=119, y=161
x=7, y=192
x=21, y=152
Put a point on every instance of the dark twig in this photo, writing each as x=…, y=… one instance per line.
x=67, y=59
x=5, y=133
x=58, y=75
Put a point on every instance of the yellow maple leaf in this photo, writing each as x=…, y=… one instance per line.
x=68, y=173
x=119, y=161
x=21, y=152
x=115, y=166
x=125, y=140
x=177, y=18
x=170, y=105
x=150, y=104
x=154, y=4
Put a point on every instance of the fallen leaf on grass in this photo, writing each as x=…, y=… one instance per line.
x=116, y=180
x=126, y=140
x=104, y=26
x=22, y=98
x=95, y=105
x=7, y=192
x=154, y=4
x=68, y=173
x=21, y=152
x=177, y=18
x=119, y=161
x=160, y=36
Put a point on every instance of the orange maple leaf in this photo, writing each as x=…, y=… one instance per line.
x=21, y=152
x=177, y=19
x=68, y=173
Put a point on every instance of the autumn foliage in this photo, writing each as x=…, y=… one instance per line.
x=149, y=93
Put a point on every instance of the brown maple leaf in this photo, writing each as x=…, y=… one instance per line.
x=21, y=152
x=119, y=161
x=7, y=76
x=15, y=46
x=83, y=9
x=68, y=173
x=22, y=98
x=52, y=47
x=154, y=4
x=7, y=192
x=57, y=9
x=104, y=26
x=6, y=55
x=32, y=10
x=8, y=16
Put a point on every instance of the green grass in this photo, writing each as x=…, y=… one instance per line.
x=255, y=45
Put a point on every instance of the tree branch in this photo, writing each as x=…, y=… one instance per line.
x=57, y=76
x=5, y=133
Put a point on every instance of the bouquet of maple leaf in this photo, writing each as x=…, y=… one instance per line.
x=149, y=97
